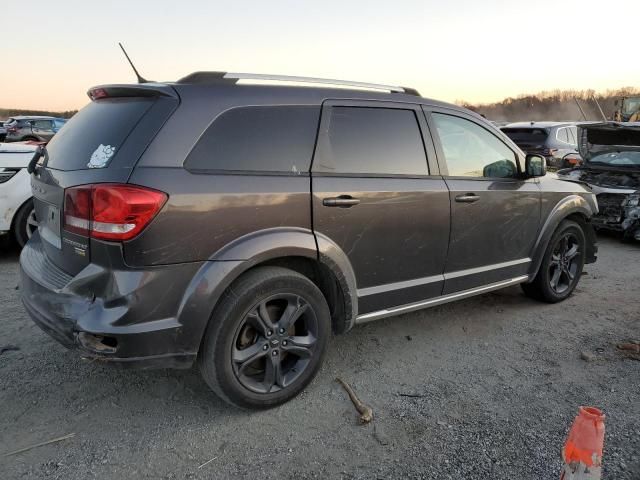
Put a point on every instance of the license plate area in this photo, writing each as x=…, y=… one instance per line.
x=49, y=223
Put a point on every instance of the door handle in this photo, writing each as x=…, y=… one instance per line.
x=467, y=198
x=343, y=201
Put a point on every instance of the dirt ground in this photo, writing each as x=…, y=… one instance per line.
x=484, y=388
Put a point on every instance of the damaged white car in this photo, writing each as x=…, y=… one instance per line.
x=611, y=154
x=17, y=215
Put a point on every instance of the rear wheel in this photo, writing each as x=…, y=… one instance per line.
x=24, y=223
x=267, y=338
x=561, y=266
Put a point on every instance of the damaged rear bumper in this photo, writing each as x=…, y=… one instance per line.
x=121, y=317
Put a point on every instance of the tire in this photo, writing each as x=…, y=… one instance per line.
x=24, y=223
x=281, y=321
x=561, y=266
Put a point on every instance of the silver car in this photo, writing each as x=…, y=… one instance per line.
x=37, y=129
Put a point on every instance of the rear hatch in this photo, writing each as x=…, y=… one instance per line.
x=100, y=144
x=530, y=140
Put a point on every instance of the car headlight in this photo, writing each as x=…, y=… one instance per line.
x=632, y=200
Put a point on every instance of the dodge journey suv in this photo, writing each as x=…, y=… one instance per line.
x=238, y=224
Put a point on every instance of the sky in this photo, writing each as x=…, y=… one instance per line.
x=474, y=50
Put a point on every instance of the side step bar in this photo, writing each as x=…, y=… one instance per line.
x=411, y=307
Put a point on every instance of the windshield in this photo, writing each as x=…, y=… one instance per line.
x=527, y=136
x=631, y=105
x=618, y=159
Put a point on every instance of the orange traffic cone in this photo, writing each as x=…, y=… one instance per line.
x=582, y=452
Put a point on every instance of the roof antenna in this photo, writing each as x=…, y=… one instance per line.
x=141, y=79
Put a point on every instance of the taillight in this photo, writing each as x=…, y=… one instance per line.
x=77, y=210
x=110, y=211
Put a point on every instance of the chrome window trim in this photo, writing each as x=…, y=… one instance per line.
x=389, y=287
x=388, y=312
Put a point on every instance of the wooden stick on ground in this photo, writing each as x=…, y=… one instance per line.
x=41, y=444
x=366, y=414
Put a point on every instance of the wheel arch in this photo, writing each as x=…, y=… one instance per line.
x=573, y=207
x=293, y=248
x=16, y=213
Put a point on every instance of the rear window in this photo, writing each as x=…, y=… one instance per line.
x=93, y=137
x=277, y=139
x=527, y=136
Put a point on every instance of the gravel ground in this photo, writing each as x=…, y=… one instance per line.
x=485, y=388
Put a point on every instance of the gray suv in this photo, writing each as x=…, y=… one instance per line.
x=238, y=225
x=556, y=141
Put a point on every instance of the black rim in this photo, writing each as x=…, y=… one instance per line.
x=565, y=262
x=274, y=343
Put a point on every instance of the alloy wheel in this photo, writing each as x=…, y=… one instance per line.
x=32, y=223
x=274, y=343
x=565, y=263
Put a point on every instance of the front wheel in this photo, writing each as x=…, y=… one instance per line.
x=561, y=266
x=267, y=338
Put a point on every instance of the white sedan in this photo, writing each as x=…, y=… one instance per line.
x=17, y=215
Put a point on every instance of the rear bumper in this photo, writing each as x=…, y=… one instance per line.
x=126, y=317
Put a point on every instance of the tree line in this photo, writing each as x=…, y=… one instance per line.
x=14, y=112
x=553, y=105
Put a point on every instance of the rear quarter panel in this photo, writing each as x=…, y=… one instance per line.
x=206, y=212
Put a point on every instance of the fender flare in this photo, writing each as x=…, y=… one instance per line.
x=227, y=264
x=565, y=207
x=331, y=255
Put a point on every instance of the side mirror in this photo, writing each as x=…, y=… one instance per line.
x=535, y=166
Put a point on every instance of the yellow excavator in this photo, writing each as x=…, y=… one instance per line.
x=627, y=109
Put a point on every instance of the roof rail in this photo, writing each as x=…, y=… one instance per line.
x=326, y=81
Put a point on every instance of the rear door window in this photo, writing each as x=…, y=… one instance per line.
x=277, y=139
x=372, y=140
x=96, y=133
x=42, y=124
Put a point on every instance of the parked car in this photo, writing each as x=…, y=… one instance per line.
x=556, y=141
x=3, y=132
x=611, y=168
x=238, y=225
x=17, y=215
x=32, y=128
